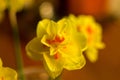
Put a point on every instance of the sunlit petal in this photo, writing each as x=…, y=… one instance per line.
x=35, y=49
x=92, y=54
x=54, y=66
x=41, y=27
x=72, y=55
x=8, y=74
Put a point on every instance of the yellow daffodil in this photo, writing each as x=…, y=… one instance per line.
x=58, y=45
x=3, y=6
x=93, y=32
x=7, y=73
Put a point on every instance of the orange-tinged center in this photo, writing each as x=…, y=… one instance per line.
x=57, y=39
x=55, y=42
x=78, y=28
x=89, y=39
x=89, y=30
x=56, y=56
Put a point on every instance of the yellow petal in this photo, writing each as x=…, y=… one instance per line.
x=51, y=29
x=52, y=51
x=8, y=74
x=72, y=55
x=64, y=26
x=92, y=54
x=81, y=38
x=73, y=19
x=44, y=40
x=41, y=27
x=35, y=49
x=75, y=25
x=100, y=45
x=83, y=19
x=74, y=62
x=53, y=66
x=48, y=27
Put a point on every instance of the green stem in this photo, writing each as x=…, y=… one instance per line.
x=17, y=47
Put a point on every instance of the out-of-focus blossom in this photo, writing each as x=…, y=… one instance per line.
x=58, y=45
x=3, y=6
x=46, y=10
x=7, y=73
x=12, y=5
x=15, y=5
x=93, y=32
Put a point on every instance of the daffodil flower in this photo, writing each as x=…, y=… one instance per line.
x=93, y=32
x=58, y=45
x=7, y=73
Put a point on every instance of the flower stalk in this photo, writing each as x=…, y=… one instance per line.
x=19, y=61
x=57, y=78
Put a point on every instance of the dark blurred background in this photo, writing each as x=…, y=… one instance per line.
x=106, y=12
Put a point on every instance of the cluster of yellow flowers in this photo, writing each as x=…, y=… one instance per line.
x=7, y=73
x=61, y=44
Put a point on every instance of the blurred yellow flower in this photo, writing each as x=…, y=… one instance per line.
x=3, y=6
x=7, y=73
x=15, y=5
x=59, y=46
x=93, y=32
